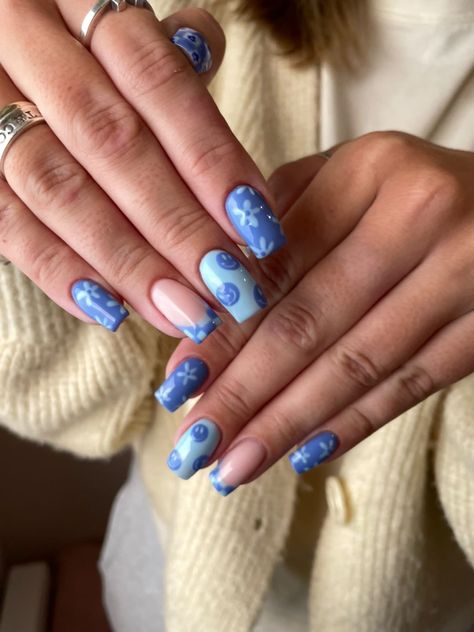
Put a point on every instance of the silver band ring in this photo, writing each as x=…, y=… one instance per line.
x=98, y=9
x=15, y=119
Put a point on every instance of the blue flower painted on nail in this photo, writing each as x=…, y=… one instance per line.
x=314, y=452
x=195, y=47
x=199, y=432
x=224, y=490
x=96, y=302
x=228, y=294
x=174, y=460
x=201, y=330
x=227, y=262
x=260, y=297
x=200, y=462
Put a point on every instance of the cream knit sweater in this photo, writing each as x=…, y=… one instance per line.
x=408, y=490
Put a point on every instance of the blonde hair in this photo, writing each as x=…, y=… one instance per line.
x=313, y=30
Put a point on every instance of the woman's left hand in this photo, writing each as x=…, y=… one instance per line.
x=372, y=312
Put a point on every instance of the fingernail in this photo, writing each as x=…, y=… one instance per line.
x=185, y=309
x=99, y=304
x=194, y=448
x=314, y=452
x=186, y=379
x=232, y=285
x=194, y=45
x=255, y=221
x=237, y=466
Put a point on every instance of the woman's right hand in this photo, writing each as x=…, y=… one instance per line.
x=125, y=190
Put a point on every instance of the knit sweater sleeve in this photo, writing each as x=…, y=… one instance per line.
x=73, y=385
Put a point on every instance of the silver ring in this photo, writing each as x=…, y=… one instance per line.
x=325, y=154
x=98, y=9
x=15, y=119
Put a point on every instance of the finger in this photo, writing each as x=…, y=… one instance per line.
x=382, y=342
x=156, y=79
x=444, y=360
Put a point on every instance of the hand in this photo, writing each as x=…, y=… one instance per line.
x=378, y=291
x=122, y=193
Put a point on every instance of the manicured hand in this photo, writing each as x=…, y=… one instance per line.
x=372, y=312
x=136, y=183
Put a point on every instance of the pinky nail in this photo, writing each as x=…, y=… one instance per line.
x=185, y=309
x=314, y=452
x=99, y=304
x=237, y=466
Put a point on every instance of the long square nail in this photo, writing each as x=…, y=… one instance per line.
x=232, y=285
x=187, y=311
x=182, y=383
x=194, y=448
x=255, y=221
x=314, y=452
x=237, y=466
x=99, y=304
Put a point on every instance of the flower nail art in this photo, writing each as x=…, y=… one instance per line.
x=180, y=385
x=194, y=448
x=195, y=47
x=255, y=221
x=314, y=452
x=99, y=304
x=232, y=285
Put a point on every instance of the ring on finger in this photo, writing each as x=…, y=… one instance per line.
x=16, y=118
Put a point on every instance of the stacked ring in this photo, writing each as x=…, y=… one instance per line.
x=98, y=9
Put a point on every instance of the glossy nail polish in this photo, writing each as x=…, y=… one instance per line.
x=237, y=466
x=185, y=309
x=232, y=285
x=99, y=304
x=314, y=452
x=179, y=386
x=195, y=47
x=254, y=221
x=194, y=448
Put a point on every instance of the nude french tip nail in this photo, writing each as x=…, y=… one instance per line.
x=187, y=311
x=314, y=452
x=232, y=285
x=99, y=304
x=194, y=448
x=182, y=383
x=237, y=466
x=254, y=220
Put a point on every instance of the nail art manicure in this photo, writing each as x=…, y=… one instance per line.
x=194, y=45
x=179, y=386
x=314, y=452
x=255, y=221
x=237, y=466
x=194, y=448
x=232, y=285
x=185, y=309
x=99, y=304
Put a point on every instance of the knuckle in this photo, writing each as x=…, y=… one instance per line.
x=154, y=64
x=232, y=395
x=286, y=429
x=415, y=384
x=356, y=366
x=48, y=264
x=361, y=423
x=294, y=325
x=227, y=341
x=211, y=156
x=127, y=262
x=180, y=225
x=56, y=183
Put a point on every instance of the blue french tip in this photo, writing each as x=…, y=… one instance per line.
x=314, y=452
x=194, y=448
x=224, y=490
x=179, y=386
x=99, y=304
x=194, y=45
x=255, y=221
x=232, y=285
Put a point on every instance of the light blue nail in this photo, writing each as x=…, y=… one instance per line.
x=194, y=448
x=195, y=47
x=232, y=285
x=314, y=452
x=179, y=386
x=254, y=221
x=224, y=490
x=99, y=304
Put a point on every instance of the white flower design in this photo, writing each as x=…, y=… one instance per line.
x=87, y=291
x=245, y=189
x=247, y=214
x=264, y=248
x=187, y=373
x=164, y=393
x=105, y=322
x=114, y=303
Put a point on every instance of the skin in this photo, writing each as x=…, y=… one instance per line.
x=372, y=302
x=127, y=181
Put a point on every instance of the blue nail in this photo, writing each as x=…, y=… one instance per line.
x=314, y=452
x=232, y=285
x=254, y=220
x=195, y=47
x=99, y=304
x=194, y=448
x=185, y=380
x=224, y=490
